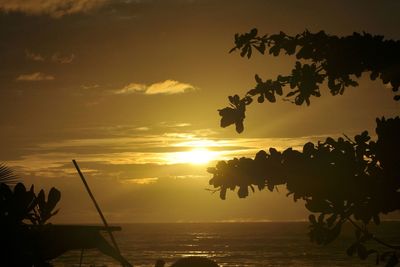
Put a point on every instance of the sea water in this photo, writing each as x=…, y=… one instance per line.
x=231, y=244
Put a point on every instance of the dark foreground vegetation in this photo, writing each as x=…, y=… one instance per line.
x=354, y=180
x=28, y=239
x=26, y=236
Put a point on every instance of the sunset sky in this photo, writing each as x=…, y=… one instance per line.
x=131, y=89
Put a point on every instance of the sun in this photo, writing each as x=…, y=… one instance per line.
x=199, y=156
x=194, y=156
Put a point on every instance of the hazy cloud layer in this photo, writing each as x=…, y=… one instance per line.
x=34, y=77
x=163, y=149
x=89, y=86
x=63, y=59
x=141, y=181
x=57, y=57
x=53, y=8
x=167, y=87
x=33, y=56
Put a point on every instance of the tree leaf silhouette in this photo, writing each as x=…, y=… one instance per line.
x=340, y=180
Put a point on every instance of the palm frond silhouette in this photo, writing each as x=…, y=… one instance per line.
x=7, y=175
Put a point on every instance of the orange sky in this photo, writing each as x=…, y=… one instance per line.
x=126, y=87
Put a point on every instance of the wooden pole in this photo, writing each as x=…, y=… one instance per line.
x=97, y=206
x=81, y=258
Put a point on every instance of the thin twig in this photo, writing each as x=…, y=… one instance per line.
x=372, y=236
x=348, y=139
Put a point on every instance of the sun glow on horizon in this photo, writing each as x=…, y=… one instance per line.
x=196, y=156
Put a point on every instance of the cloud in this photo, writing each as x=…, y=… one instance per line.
x=175, y=125
x=141, y=181
x=57, y=57
x=156, y=149
x=167, y=87
x=128, y=152
x=36, y=76
x=53, y=8
x=90, y=86
x=143, y=128
x=63, y=59
x=33, y=56
x=131, y=88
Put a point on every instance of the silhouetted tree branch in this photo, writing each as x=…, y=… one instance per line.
x=320, y=58
x=340, y=180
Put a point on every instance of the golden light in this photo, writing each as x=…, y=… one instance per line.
x=194, y=156
x=199, y=156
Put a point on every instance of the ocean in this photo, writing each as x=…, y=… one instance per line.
x=230, y=244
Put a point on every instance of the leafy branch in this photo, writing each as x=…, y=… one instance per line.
x=19, y=205
x=320, y=58
x=341, y=180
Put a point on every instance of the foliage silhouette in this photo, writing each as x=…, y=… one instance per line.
x=7, y=175
x=340, y=180
x=21, y=205
x=321, y=58
x=28, y=240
